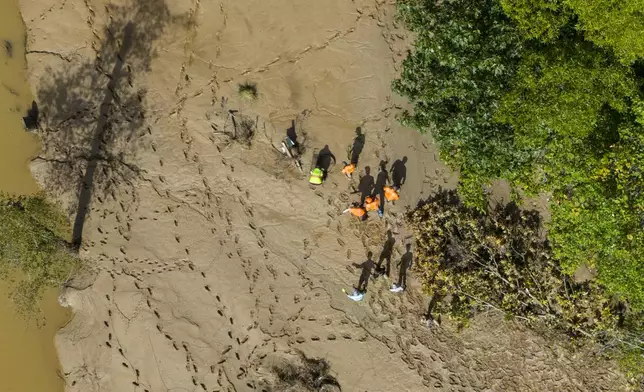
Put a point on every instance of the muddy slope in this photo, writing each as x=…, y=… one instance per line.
x=209, y=257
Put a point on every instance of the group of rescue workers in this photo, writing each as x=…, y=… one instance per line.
x=372, y=195
x=372, y=202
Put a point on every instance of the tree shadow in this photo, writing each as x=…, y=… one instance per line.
x=92, y=111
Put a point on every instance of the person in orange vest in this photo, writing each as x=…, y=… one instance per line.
x=391, y=194
x=372, y=203
x=348, y=169
x=357, y=210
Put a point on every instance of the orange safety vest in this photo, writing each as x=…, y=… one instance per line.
x=391, y=194
x=348, y=169
x=357, y=211
x=371, y=203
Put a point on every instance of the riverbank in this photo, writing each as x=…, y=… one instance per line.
x=210, y=259
x=29, y=361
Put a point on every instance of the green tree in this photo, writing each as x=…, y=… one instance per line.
x=470, y=261
x=562, y=105
x=33, y=245
x=615, y=25
x=538, y=19
x=501, y=261
x=466, y=53
x=545, y=111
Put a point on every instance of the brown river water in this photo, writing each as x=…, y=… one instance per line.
x=28, y=360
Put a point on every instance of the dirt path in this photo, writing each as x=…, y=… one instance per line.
x=209, y=257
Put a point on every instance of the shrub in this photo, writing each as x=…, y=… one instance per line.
x=33, y=242
x=500, y=260
x=304, y=374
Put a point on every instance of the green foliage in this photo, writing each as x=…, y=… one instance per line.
x=32, y=241
x=526, y=98
x=563, y=89
x=559, y=106
x=466, y=54
x=615, y=25
x=549, y=95
x=501, y=261
x=603, y=225
x=248, y=91
x=538, y=19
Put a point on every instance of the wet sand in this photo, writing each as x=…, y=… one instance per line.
x=29, y=361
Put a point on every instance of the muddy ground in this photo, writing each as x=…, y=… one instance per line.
x=210, y=257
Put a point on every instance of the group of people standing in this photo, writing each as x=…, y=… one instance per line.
x=373, y=195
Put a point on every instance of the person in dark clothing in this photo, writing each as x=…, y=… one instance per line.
x=385, y=255
x=367, y=267
x=404, y=265
x=399, y=172
x=366, y=185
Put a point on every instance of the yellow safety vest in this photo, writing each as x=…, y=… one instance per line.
x=316, y=176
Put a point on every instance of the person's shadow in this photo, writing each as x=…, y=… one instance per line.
x=385, y=255
x=404, y=265
x=367, y=267
x=325, y=160
x=399, y=172
x=365, y=187
x=381, y=182
x=358, y=146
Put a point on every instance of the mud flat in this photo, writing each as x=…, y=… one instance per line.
x=209, y=259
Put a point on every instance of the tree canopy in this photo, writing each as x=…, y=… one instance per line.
x=548, y=95
x=614, y=25
x=33, y=243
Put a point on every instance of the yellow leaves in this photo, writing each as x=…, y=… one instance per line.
x=602, y=173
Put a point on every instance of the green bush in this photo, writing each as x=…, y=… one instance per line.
x=471, y=261
x=33, y=246
x=513, y=89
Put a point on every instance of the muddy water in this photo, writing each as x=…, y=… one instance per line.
x=28, y=361
x=16, y=146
